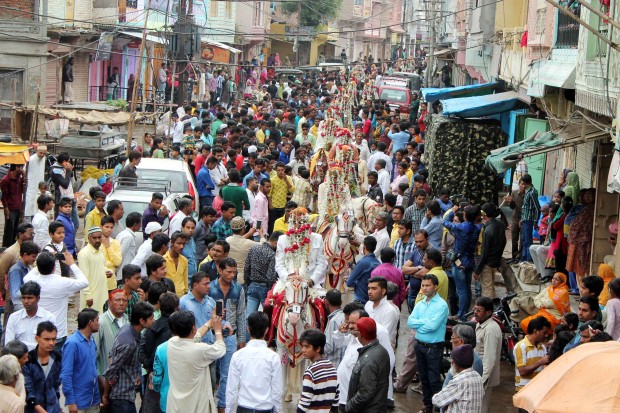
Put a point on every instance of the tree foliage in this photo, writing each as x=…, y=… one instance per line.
x=313, y=13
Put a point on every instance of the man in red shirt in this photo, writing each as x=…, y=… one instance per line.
x=12, y=187
x=367, y=128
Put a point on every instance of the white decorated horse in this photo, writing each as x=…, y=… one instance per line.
x=294, y=310
x=338, y=249
x=292, y=303
x=366, y=211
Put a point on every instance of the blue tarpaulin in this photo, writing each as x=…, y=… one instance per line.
x=434, y=94
x=477, y=106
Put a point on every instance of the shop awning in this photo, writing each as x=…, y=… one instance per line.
x=13, y=153
x=556, y=73
x=502, y=159
x=396, y=28
x=221, y=46
x=442, y=52
x=477, y=106
x=431, y=94
x=149, y=37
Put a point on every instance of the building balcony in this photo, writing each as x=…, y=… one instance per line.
x=567, y=32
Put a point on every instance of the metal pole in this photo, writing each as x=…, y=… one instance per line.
x=599, y=14
x=431, y=59
x=136, y=83
x=594, y=31
x=174, y=71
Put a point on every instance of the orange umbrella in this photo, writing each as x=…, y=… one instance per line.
x=585, y=379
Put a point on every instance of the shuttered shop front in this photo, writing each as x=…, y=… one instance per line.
x=583, y=163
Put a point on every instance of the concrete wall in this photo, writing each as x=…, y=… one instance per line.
x=221, y=26
x=597, y=78
x=23, y=46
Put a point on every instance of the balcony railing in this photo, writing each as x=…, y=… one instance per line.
x=568, y=32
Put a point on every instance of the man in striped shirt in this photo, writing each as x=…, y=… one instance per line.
x=530, y=353
x=320, y=385
x=530, y=212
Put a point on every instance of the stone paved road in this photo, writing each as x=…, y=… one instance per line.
x=405, y=403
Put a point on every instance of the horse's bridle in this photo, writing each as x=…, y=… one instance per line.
x=345, y=234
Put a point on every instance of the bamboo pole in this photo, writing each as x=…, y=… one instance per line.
x=33, y=131
x=600, y=14
x=136, y=83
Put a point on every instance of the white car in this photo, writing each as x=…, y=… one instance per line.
x=137, y=199
x=176, y=171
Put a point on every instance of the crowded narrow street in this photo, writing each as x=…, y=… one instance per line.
x=327, y=206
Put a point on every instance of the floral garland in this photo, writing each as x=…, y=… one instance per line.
x=298, y=249
x=336, y=187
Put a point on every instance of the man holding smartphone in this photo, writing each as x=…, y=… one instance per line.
x=232, y=296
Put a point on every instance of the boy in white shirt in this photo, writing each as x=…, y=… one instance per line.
x=57, y=246
x=40, y=220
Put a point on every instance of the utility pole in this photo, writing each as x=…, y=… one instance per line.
x=297, y=36
x=136, y=83
x=431, y=51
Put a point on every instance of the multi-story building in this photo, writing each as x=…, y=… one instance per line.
x=23, y=41
x=253, y=23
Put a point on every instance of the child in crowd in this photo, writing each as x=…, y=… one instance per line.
x=40, y=220
x=43, y=189
x=320, y=384
x=64, y=217
x=175, y=153
x=57, y=246
x=543, y=228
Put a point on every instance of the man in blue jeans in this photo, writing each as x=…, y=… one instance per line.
x=530, y=212
x=465, y=242
x=428, y=319
x=260, y=273
x=232, y=294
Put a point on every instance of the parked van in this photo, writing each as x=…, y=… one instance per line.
x=397, y=97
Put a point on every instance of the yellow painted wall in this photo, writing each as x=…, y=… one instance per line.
x=511, y=13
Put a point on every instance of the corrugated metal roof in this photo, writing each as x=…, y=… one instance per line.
x=558, y=74
x=477, y=106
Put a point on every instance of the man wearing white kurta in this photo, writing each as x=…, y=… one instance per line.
x=351, y=344
x=188, y=364
x=35, y=173
x=317, y=264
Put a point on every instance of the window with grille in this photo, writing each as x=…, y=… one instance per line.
x=132, y=4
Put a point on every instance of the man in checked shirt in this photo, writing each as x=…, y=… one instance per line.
x=124, y=370
x=233, y=295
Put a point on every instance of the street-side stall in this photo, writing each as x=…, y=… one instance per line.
x=459, y=140
x=91, y=133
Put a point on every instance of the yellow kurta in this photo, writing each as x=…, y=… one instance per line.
x=113, y=258
x=92, y=264
x=93, y=219
x=177, y=273
x=190, y=380
x=394, y=235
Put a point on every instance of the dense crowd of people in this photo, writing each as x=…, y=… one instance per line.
x=170, y=302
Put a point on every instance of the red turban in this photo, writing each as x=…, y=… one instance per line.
x=367, y=328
